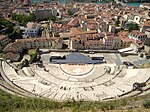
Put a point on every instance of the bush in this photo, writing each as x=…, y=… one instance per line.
x=147, y=104
x=33, y=57
x=6, y=24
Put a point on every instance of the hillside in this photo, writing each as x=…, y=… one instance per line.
x=12, y=103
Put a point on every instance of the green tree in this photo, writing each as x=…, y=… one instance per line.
x=32, y=16
x=23, y=19
x=53, y=18
x=133, y=26
x=6, y=27
x=70, y=12
x=75, y=15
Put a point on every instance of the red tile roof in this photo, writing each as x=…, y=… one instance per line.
x=73, y=22
x=126, y=40
x=135, y=32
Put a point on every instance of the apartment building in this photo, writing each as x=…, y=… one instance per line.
x=83, y=39
x=13, y=51
x=139, y=17
x=108, y=41
x=32, y=43
x=112, y=41
x=94, y=44
x=145, y=5
x=51, y=43
x=137, y=36
x=79, y=43
x=45, y=13
x=147, y=32
x=145, y=26
x=4, y=40
x=58, y=28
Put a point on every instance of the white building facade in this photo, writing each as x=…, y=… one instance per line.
x=32, y=30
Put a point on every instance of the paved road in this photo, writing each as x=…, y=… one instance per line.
x=113, y=58
x=140, y=62
x=118, y=60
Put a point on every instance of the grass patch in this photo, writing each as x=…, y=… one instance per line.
x=12, y=103
x=1, y=55
x=147, y=104
x=33, y=55
x=31, y=51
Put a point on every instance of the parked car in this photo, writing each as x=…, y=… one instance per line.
x=148, y=57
